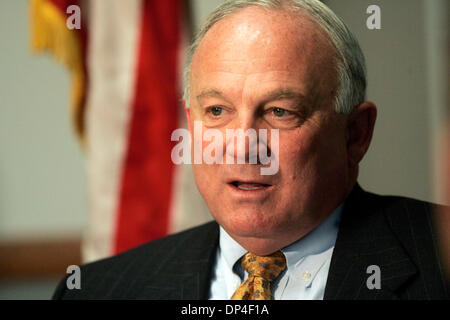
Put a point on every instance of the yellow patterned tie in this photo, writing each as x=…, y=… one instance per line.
x=262, y=270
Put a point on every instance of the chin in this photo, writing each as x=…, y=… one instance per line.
x=250, y=224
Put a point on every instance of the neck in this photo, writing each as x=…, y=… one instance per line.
x=268, y=244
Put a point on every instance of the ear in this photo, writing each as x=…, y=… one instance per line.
x=360, y=126
x=188, y=115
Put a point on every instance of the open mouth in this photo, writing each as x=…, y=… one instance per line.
x=249, y=186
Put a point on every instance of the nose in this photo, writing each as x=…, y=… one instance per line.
x=242, y=140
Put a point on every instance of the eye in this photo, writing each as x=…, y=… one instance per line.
x=215, y=111
x=279, y=112
x=282, y=118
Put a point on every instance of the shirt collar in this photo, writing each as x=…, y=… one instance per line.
x=317, y=241
x=230, y=249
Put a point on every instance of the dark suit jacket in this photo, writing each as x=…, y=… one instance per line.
x=394, y=233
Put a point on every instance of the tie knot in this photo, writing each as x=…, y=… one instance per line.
x=267, y=267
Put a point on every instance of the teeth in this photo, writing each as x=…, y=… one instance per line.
x=248, y=188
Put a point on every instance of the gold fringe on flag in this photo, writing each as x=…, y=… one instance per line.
x=50, y=33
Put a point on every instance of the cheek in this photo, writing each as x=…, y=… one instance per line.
x=203, y=175
x=206, y=185
x=297, y=150
x=307, y=156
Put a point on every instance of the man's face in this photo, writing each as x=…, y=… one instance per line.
x=270, y=70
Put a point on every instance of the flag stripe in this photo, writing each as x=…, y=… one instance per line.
x=145, y=193
x=130, y=52
x=114, y=31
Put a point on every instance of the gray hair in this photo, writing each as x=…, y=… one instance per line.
x=350, y=66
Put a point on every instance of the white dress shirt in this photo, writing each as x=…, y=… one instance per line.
x=308, y=261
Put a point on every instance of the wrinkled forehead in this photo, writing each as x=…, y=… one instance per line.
x=254, y=39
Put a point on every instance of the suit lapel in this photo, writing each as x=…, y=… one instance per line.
x=365, y=239
x=171, y=286
x=186, y=271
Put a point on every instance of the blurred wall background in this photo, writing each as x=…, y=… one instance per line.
x=407, y=62
x=42, y=191
x=42, y=174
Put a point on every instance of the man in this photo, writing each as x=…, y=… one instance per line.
x=308, y=231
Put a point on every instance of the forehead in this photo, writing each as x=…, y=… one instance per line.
x=256, y=40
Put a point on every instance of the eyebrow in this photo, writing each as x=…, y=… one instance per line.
x=284, y=94
x=279, y=94
x=210, y=93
